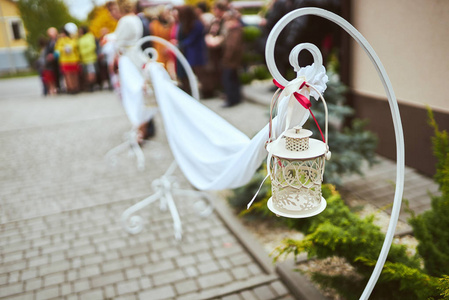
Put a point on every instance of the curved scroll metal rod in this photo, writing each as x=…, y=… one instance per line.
x=191, y=76
x=400, y=156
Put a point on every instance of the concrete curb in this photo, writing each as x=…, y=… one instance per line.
x=299, y=285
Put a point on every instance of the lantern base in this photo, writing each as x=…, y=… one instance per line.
x=297, y=215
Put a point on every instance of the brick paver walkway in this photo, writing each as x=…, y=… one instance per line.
x=60, y=206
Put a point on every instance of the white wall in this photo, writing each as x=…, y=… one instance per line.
x=411, y=39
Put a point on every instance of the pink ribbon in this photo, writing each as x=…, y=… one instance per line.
x=303, y=101
x=301, y=98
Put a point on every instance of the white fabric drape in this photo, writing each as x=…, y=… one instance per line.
x=131, y=87
x=212, y=154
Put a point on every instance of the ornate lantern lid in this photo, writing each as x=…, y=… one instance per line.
x=316, y=147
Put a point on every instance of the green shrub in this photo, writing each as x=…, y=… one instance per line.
x=431, y=227
x=261, y=72
x=251, y=33
x=246, y=77
x=339, y=232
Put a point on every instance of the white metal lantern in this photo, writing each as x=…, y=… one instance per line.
x=296, y=168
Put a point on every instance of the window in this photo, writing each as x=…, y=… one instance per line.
x=17, y=30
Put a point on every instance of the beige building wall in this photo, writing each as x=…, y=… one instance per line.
x=8, y=14
x=411, y=39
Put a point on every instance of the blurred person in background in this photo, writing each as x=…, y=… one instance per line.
x=232, y=58
x=214, y=41
x=45, y=70
x=52, y=59
x=190, y=41
x=102, y=61
x=67, y=50
x=205, y=16
x=161, y=26
x=88, y=56
x=130, y=62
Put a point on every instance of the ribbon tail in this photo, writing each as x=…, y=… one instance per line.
x=260, y=187
x=303, y=100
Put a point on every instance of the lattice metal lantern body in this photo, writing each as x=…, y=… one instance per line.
x=297, y=168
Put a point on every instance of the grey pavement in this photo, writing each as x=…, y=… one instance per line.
x=61, y=202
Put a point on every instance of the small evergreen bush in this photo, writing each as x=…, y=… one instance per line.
x=431, y=227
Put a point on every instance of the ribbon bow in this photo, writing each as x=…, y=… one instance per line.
x=292, y=88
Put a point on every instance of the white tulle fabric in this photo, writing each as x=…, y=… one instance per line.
x=212, y=154
x=131, y=86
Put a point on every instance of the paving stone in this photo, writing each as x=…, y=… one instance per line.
x=12, y=256
x=158, y=267
x=13, y=277
x=248, y=295
x=208, y=267
x=81, y=285
x=210, y=280
x=23, y=296
x=264, y=293
x=203, y=256
x=254, y=269
x=241, y=259
x=191, y=271
x=279, y=288
x=118, y=264
x=185, y=260
x=226, y=251
x=126, y=287
x=134, y=250
x=54, y=267
x=48, y=293
x=164, y=292
x=133, y=272
x=240, y=273
x=140, y=259
x=92, y=295
x=54, y=278
x=109, y=291
x=127, y=297
x=38, y=261
x=192, y=248
x=4, y=279
x=232, y=297
x=145, y=282
x=66, y=289
x=109, y=278
x=169, y=277
x=186, y=286
x=11, y=289
x=72, y=275
x=57, y=257
x=89, y=271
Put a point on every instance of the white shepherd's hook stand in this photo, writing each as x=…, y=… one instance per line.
x=400, y=157
x=132, y=145
x=165, y=186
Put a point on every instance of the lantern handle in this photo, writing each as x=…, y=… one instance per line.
x=394, y=109
x=326, y=118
